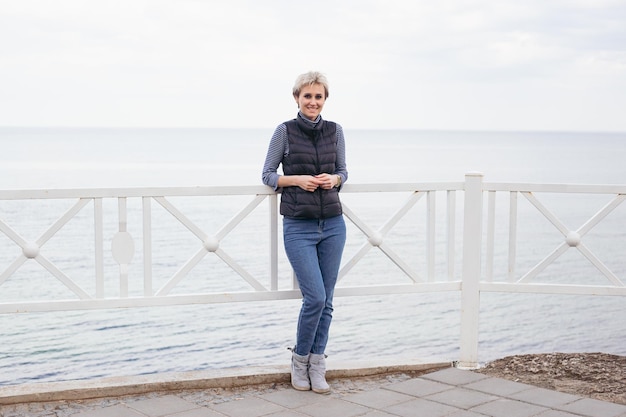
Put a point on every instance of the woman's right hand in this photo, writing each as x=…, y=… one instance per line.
x=308, y=182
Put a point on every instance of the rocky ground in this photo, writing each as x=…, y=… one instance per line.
x=595, y=375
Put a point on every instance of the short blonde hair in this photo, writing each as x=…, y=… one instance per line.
x=310, y=78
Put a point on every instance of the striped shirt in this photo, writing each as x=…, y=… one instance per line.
x=279, y=148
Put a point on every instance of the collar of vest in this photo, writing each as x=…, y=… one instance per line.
x=308, y=127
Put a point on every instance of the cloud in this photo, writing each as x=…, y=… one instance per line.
x=417, y=64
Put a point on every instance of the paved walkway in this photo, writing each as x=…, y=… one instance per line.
x=447, y=392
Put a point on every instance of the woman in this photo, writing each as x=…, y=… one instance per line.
x=312, y=153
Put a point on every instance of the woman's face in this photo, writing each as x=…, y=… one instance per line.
x=311, y=100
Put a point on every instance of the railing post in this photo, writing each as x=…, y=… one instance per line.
x=470, y=290
x=273, y=201
x=147, y=246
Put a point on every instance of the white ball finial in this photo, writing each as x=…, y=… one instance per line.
x=30, y=250
x=573, y=239
x=376, y=239
x=211, y=244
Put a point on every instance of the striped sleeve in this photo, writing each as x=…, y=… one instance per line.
x=275, y=152
x=340, y=164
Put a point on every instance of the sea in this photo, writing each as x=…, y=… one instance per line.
x=78, y=345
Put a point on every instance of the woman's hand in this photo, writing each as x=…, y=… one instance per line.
x=309, y=182
x=327, y=181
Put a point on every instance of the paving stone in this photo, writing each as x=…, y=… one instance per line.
x=462, y=398
x=333, y=407
x=419, y=387
x=378, y=399
x=378, y=413
x=291, y=398
x=509, y=408
x=594, y=408
x=247, y=407
x=113, y=411
x=557, y=413
x=200, y=412
x=421, y=407
x=465, y=413
x=545, y=397
x=284, y=413
x=162, y=406
x=454, y=376
x=498, y=386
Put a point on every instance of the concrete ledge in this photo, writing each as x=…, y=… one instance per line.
x=215, y=378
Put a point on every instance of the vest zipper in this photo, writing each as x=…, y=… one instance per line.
x=317, y=170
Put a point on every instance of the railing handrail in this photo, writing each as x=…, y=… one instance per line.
x=215, y=190
x=556, y=188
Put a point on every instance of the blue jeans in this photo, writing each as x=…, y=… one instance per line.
x=314, y=248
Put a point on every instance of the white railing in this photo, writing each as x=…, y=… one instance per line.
x=433, y=261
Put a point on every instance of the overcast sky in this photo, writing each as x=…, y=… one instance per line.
x=419, y=64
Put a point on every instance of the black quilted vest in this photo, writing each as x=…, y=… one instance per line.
x=312, y=151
